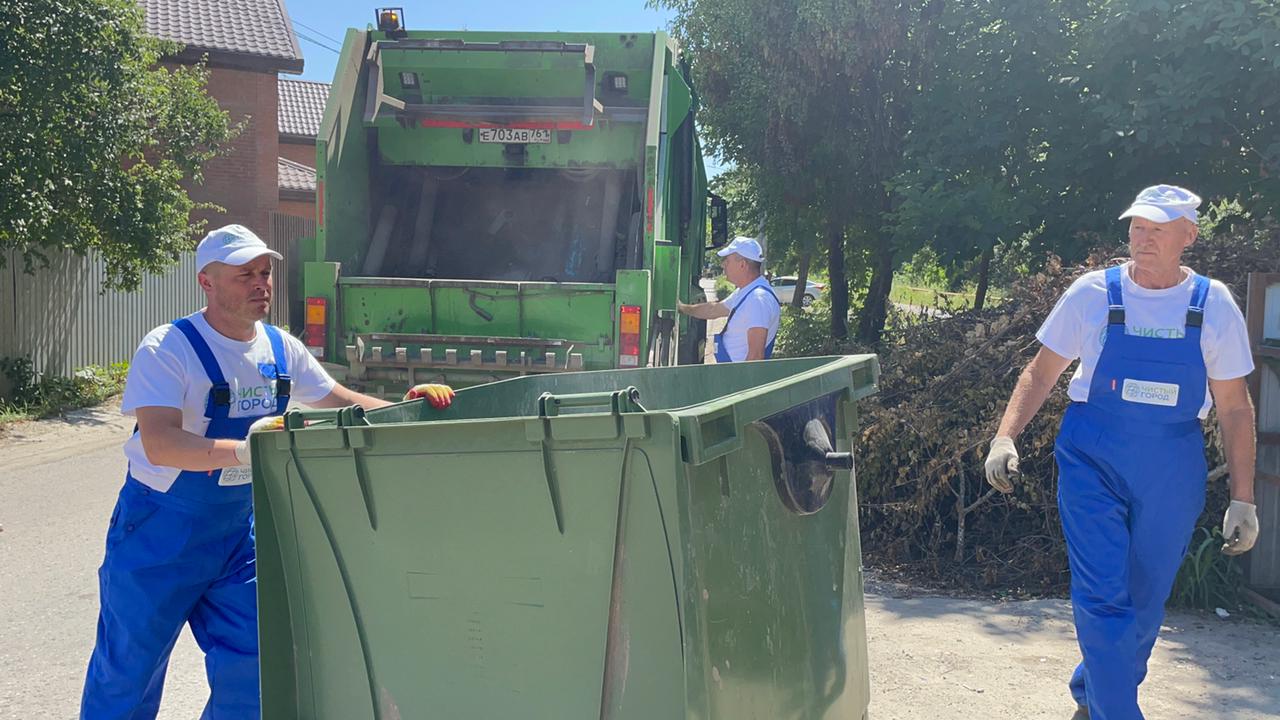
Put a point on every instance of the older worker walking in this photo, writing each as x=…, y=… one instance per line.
x=1158, y=344
x=753, y=310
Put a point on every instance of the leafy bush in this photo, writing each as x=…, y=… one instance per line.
x=1207, y=579
x=35, y=395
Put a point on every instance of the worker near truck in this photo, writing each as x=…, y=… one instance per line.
x=180, y=545
x=1158, y=344
x=753, y=310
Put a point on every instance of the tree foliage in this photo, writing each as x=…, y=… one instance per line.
x=973, y=128
x=96, y=138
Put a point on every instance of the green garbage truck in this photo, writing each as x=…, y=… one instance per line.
x=498, y=204
x=667, y=543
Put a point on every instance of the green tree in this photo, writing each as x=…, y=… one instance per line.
x=1179, y=91
x=815, y=95
x=96, y=138
x=1042, y=121
x=975, y=168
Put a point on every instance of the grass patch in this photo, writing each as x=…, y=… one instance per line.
x=904, y=293
x=35, y=395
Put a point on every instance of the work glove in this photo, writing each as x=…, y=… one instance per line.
x=273, y=422
x=439, y=396
x=1002, y=464
x=1239, y=527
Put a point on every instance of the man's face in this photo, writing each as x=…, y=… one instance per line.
x=735, y=268
x=1154, y=245
x=240, y=291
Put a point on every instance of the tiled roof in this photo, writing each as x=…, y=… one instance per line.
x=301, y=107
x=259, y=28
x=294, y=176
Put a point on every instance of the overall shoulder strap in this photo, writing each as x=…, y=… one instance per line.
x=1115, y=297
x=1199, y=294
x=284, y=382
x=219, y=402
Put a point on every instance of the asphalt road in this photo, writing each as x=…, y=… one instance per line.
x=932, y=658
x=58, y=483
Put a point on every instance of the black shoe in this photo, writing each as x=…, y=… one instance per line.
x=1082, y=713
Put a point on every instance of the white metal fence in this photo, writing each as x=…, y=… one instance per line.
x=60, y=317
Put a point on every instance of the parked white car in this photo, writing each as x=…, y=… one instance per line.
x=785, y=288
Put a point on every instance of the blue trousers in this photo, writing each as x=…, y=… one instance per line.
x=1129, y=504
x=165, y=566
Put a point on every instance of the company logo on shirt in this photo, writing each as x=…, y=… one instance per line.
x=256, y=399
x=1162, y=333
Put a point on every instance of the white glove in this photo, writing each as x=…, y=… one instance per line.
x=1002, y=463
x=274, y=422
x=1242, y=518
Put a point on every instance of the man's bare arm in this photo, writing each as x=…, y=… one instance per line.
x=1033, y=388
x=167, y=444
x=757, y=338
x=704, y=311
x=1239, y=434
x=342, y=396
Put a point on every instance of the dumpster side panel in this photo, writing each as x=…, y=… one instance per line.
x=437, y=580
x=644, y=673
x=773, y=597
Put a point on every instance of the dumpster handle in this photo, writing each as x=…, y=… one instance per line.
x=617, y=402
x=839, y=460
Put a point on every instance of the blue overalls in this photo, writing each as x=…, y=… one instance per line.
x=185, y=555
x=1131, y=486
x=722, y=352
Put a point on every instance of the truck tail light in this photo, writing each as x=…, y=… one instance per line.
x=316, y=322
x=629, y=336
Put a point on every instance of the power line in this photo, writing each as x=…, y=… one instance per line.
x=316, y=32
x=313, y=41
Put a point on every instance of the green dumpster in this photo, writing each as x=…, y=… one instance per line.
x=647, y=544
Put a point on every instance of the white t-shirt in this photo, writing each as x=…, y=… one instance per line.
x=167, y=373
x=757, y=307
x=1077, y=327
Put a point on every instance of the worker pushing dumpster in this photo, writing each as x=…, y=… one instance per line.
x=657, y=543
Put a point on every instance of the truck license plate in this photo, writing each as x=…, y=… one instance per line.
x=514, y=135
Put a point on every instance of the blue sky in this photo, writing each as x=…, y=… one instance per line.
x=323, y=22
x=320, y=24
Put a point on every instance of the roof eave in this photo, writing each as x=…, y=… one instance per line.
x=191, y=54
x=300, y=195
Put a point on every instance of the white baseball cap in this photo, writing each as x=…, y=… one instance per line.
x=231, y=245
x=1164, y=203
x=744, y=246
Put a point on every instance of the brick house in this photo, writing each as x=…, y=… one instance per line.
x=301, y=109
x=247, y=43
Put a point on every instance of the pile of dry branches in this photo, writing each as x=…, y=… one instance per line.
x=926, y=509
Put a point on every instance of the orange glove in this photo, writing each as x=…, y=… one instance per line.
x=439, y=396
